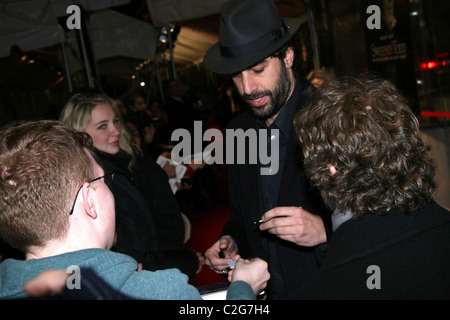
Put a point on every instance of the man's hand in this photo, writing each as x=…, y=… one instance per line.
x=47, y=282
x=255, y=273
x=296, y=225
x=226, y=245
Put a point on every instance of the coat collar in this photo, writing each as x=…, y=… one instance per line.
x=371, y=233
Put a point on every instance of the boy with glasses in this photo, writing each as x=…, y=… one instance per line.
x=56, y=207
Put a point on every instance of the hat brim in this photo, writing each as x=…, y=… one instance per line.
x=216, y=62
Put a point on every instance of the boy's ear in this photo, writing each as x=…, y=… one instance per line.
x=332, y=169
x=89, y=203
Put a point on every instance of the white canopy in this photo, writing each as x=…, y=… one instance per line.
x=33, y=24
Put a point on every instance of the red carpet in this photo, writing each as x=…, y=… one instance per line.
x=206, y=228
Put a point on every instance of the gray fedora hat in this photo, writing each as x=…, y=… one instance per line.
x=249, y=32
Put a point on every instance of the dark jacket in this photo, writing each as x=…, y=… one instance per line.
x=291, y=265
x=149, y=225
x=409, y=253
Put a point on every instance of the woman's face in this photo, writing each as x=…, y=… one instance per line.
x=104, y=128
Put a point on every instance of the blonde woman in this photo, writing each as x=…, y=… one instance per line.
x=150, y=227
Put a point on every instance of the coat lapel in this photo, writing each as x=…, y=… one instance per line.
x=290, y=167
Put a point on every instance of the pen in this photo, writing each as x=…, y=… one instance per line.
x=259, y=222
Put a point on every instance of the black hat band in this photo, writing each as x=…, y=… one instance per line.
x=256, y=45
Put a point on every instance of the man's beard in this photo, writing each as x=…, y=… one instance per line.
x=278, y=97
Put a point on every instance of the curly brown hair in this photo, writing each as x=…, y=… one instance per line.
x=364, y=127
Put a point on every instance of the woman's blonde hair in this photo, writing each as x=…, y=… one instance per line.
x=77, y=113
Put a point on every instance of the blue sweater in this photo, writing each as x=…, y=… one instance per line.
x=118, y=270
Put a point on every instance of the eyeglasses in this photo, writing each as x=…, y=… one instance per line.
x=108, y=177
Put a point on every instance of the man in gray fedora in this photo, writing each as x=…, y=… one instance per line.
x=277, y=216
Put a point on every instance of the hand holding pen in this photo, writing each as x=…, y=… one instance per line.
x=294, y=224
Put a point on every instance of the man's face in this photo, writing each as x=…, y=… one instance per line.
x=139, y=103
x=265, y=87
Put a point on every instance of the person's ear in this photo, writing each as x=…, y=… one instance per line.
x=89, y=203
x=289, y=58
x=332, y=169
